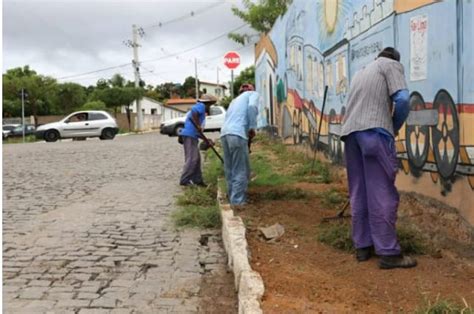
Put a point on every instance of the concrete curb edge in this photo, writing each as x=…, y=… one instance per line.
x=248, y=283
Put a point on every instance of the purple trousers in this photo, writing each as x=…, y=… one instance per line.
x=371, y=163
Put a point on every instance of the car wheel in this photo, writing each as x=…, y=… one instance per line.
x=51, y=136
x=107, y=134
x=178, y=129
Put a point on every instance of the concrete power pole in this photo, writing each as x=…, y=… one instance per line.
x=136, y=67
x=196, y=78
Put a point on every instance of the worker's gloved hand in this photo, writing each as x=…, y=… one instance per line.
x=251, y=133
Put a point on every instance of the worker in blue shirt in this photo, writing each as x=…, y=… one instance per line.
x=192, y=174
x=239, y=127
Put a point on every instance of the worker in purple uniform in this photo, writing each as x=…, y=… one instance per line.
x=377, y=107
x=192, y=174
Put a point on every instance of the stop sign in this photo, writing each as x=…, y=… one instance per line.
x=232, y=60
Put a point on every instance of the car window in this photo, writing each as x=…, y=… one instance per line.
x=97, y=116
x=78, y=117
x=215, y=111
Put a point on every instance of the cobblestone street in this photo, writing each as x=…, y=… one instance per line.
x=86, y=229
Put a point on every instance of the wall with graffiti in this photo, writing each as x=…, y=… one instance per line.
x=321, y=43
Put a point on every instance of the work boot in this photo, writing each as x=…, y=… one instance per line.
x=396, y=261
x=363, y=254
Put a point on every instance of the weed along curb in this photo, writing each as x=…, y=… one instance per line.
x=248, y=283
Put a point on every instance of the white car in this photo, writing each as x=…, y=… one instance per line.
x=214, y=121
x=80, y=124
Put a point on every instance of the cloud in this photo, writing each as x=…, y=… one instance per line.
x=69, y=37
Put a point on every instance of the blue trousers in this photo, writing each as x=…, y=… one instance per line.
x=371, y=163
x=236, y=167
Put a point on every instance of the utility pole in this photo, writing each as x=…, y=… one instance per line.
x=196, y=78
x=231, y=84
x=23, y=112
x=136, y=68
x=218, y=75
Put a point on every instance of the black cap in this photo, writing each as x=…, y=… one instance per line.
x=391, y=53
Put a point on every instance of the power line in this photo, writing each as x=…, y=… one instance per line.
x=195, y=47
x=95, y=71
x=186, y=16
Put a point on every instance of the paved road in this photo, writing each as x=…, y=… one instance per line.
x=86, y=229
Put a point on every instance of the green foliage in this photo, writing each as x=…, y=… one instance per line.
x=197, y=216
x=196, y=196
x=213, y=170
x=225, y=101
x=412, y=241
x=247, y=75
x=115, y=97
x=337, y=235
x=188, y=89
x=443, y=306
x=117, y=80
x=265, y=176
x=68, y=97
x=331, y=198
x=320, y=173
x=19, y=140
x=260, y=16
x=94, y=105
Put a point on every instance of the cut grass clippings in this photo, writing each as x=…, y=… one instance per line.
x=337, y=234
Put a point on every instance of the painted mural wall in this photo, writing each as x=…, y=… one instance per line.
x=321, y=43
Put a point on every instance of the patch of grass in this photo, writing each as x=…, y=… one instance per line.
x=336, y=235
x=196, y=196
x=331, y=198
x=442, y=306
x=265, y=176
x=285, y=194
x=213, y=169
x=197, y=216
x=411, y=240
x=319, y=174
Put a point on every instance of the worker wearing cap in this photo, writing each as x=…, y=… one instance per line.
x=377, y=107
x=239, y=127
x=192, y=174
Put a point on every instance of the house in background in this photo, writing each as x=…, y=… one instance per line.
x=149, y=106
x=181, y=104
x=215, y=89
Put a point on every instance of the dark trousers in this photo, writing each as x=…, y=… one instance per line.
x=372, y=165
x=192, y=162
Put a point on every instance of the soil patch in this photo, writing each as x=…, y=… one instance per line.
x=302, y=275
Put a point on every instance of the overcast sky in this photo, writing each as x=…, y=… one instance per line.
x=64, y=38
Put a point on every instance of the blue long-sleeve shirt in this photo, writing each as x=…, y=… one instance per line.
x=241, y=116
x=401, y=99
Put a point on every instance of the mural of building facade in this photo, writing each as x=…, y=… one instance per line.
x=321, y=43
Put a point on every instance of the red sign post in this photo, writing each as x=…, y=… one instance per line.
x=232, y=61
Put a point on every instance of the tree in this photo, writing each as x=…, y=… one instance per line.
x=260, y=16
x=188, y=89
x=69, y=97
x=94, y=105
x=225, y=101
x=38, y=87
x=247, y=75
x=117, y=80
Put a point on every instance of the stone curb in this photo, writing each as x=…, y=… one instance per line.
x=248, y=283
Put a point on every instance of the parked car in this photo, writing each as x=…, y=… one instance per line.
x=7, y=129
x=214, y=121
x=81, y=124
x=18, y=131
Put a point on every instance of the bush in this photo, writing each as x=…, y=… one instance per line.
x=94, y=105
